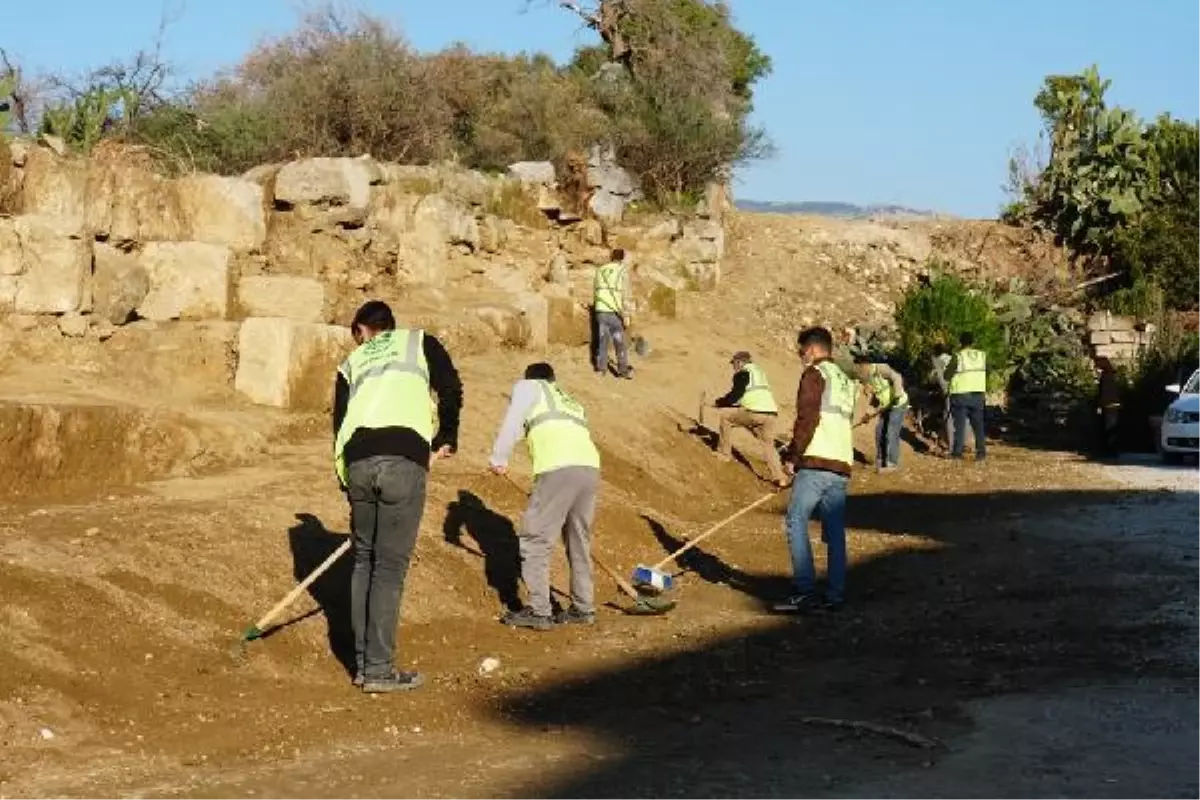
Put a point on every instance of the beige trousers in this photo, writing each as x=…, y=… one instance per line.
x=763, y=426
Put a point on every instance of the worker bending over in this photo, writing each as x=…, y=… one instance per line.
x=385, y=441
x=612, y=306
x=889, y=404
x=967, y=374
x=566, y=470
x=750, y=404
x=820, y=455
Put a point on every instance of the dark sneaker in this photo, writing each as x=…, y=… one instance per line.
x=395, y=682
x=830, y=606
x=797, y=604
x=628, y=374
x=573, y=616
x=525, y=618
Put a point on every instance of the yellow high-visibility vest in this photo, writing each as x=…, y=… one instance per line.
x=758, y=396
x=970, y=372
x=608, y=289
x=389, y=387
x=832, y=439
x=556, y=432
x=882, y=388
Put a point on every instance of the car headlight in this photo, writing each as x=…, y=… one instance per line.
x=1175, y=416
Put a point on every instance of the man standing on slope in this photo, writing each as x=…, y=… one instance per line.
x=967, y=375
x=890, y=403
x=750, y=404
x=566, y=471
x=612, y=303
x=385, y=443
x=821, y=454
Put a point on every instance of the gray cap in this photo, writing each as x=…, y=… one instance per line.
x=740, y=355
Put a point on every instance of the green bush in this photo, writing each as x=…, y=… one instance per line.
x=1171, y=358
x=938, y=312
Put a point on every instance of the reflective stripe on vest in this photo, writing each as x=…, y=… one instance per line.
x=832, y=439
x=608, y=291
x=758, y=397
x=389, y=388
x=970, y=372
x=556, y=432
x=882, y=389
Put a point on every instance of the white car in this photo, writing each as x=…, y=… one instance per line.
x=1181, y=422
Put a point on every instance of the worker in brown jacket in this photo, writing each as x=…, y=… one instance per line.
x=820, y=456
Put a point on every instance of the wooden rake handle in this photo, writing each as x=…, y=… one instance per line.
x=304, y=584
x=711, y=531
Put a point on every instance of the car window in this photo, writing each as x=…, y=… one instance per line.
x=1193, y=384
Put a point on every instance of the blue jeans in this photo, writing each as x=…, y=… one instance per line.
x=969, y=408
x=825, y=493
x=887, y=436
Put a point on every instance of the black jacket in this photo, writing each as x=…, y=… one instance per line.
x=741, y=382
x=399, y=441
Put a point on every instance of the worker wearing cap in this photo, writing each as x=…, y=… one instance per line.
x=889, y=404
x=750, y=404
x=566, y=472
x=612, y=306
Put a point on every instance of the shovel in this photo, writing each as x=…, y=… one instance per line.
x=652, y=580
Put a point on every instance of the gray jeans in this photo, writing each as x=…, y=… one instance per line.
x=562, y=505
x=610, y=328
x=387, y=498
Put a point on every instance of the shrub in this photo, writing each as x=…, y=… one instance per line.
x=938, y=312
x=1171, y=358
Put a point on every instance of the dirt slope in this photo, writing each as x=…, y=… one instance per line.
x=119, y=602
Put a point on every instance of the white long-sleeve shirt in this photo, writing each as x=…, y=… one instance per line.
x=525, y=395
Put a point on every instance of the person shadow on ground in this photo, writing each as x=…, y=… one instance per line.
x=497, y=541
x=713, y=569
x=311, y=543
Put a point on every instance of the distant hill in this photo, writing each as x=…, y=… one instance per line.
x=824, y=208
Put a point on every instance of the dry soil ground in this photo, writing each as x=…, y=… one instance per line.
x=1034, y=616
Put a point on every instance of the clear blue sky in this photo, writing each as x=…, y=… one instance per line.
x=871, y=101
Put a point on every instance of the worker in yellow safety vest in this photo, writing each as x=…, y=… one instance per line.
x=820, y=455
x=889, y=404
x=384, y=444
x=967, y=377
x=612, y=307
x=750, y=404
x=562, y=505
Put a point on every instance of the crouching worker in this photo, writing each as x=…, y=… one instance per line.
x=566, y=471
x=385, y=441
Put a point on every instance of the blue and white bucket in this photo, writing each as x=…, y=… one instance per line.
x=651, y=579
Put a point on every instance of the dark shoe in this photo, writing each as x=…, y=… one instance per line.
x=830, y=606
x=797, y=604
x=525, y=618
x=395, y=682
x=573, y=616
x=627, y=374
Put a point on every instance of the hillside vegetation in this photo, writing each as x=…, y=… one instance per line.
x=347, y=84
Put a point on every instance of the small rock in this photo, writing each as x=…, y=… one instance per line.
x=104, y=330
x=489, y=665
x=46, y=734
x=416, y=729
x=55, y=143
x=73, y=325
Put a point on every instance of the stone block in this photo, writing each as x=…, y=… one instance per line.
x=509, y=324
x=1123, y=337
x=567, y=322
x=536, y=310
x=55, y=187
x=532, y=172
x=127, y=203
x=1100, y=337
x=188, y=280
x=658, y=293
x=220, y=210
x=289, y=364
x=1116, y=352
x=73, y=325
x=1116, y=323
x=56, y=267
x=119, y=283
x=326, y=182
x=1099, y=321
x=290, y=297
